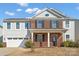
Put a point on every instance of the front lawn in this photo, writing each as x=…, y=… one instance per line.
x=63, y=51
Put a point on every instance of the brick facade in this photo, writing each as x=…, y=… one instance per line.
x=32, y=24
x=59, y=40
x=47, y=24
x=45, y=42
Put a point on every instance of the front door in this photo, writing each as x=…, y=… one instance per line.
x=40, y=39
x=54, y=39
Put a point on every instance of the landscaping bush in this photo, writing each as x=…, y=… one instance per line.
x=29, y=44
x=71, y=44
x=1, y=44
x=68, y=43
x=76, y=44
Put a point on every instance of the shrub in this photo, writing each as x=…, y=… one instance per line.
x=29, y=44
x=1, y=44
x=66, y=43
x=69, y=43
x=76, y=44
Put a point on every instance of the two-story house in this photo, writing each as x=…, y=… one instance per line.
x=46, y=29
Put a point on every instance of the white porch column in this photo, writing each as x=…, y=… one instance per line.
x=32, y=36
x=48, y=39
x=63, y=35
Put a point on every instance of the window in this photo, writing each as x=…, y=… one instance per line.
x=25, y=38
x=67, y=24
x=39, y=23
x=8, y=25
x=38, y=37
x=54, y=24
x=27, y=25
x=20, y=38
x=67, y=36
x=9, y=38
x=46, y=14
x=17, y=25
x=14, y=38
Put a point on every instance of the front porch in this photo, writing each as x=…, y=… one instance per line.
x=47, y=37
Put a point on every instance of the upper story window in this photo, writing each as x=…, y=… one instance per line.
x=55, y=24
x=67, y=24
x=40, y=23
x=8, y=25
x=17, y=25
x=27, y=25
x=9, y=38
x=46, y=14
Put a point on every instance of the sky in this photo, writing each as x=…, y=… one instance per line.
x=24, y=10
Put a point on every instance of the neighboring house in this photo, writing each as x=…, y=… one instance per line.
x=1, y=34
x=46, y=29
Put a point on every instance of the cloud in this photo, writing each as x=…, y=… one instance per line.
x=38, y=11
x=23, y=4
x=9, y=13
x=18, y=10
x=32, y=10
x=35, y=9
x=29, y=10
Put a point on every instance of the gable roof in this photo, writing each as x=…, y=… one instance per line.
x=52, y=11
x=55, y=12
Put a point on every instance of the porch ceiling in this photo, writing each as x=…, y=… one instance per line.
x=48, y=30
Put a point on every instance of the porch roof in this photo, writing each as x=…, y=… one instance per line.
x=47, y=30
